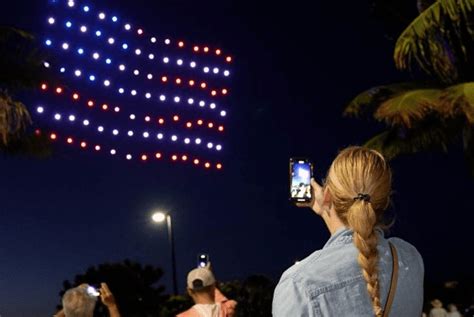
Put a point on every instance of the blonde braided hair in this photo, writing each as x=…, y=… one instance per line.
x=359, y=181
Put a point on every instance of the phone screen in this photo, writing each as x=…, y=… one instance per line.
x=202, y=260
x=300, y=180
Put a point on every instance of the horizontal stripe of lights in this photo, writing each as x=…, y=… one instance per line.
x=160, y=120
x=127, y=27
x=179, y=62
x=143, y=157
x=72, y=118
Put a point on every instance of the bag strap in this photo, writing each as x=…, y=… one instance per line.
x=393, y=281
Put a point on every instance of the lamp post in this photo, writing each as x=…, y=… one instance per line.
x=160, y=217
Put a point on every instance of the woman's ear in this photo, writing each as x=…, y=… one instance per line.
x=327, y=199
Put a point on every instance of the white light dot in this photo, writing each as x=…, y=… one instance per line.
x=151, y=56
x=46, y=64
x=106, y=83
x=122, y=67
x=140, y=31
x=150, y=76
x=215, y=70
x=129, y=157
x=111, y=40
x=121, y=90
x=86, y=122
x=128, y=27
x=138, y=51
x=202, y=103
x=48, y=42
x=218, y=147
x=226, y=73
x=146, y=134
x=71, y=4
x=113, y=152
x=114, y=19
x=95, y=55
x=198, y=141
x=102, y=15
x=190, y=101
x=77, y=72
x=159, y=136
x=162, y=98
x=223, y=113
x=136, y=72
x=206, y=69
x=187, y=141
x=66, y=46
x=83, y=29
x=108, y=61
x=132, y=117
x=192, y=64
x=177, y=99
x=115, y=132
x=72, y=118
x=167, y=41
x=62, y=70
x=133, y=92
x=51, y=20
x=68, y=24
x=91, y=77
x=86, y=9
x=40, y=109
x=210, y=145
x=148, y=95
x=100, y=128
x=212, y=106
x=174, y=138
x=117, y=109
x=153, y=40
x=98, y=33
x=57, y=116
x=130, y=133
x=179, y=62
x=147, y=119
x=166, y=60
x=124, y=46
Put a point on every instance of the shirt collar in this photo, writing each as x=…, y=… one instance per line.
x=344, y=235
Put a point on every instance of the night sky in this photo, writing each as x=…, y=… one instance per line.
x=295, y=69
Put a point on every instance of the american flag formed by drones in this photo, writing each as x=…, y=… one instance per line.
x=130, y=94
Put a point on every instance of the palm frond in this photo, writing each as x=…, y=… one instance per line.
x=29, y=145
x=408, y=107
x=14, y=118
x=458, y=100
x=436, y=39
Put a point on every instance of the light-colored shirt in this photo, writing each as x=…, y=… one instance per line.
x=222, y=307
x=438, y=312
x=330, y=282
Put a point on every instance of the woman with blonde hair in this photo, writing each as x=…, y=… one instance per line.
x=358, y=272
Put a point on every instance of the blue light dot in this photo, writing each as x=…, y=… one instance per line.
x=98, y=33
x=124, y=46
x=80, y=51
x=86, y=9
x=91, y=77
x=108, y=61
x=48, y=42
x=68, y=24
x=114, y=19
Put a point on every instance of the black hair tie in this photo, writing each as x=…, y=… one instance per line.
x=363, y=197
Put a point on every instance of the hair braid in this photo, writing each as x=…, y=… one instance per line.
x=362, y=219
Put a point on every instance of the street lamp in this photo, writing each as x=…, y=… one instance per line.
x=160, y=217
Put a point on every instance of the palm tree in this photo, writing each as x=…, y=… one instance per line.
x=21, y=65
x=437, y=111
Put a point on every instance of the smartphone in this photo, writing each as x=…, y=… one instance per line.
x=93, y=291
x=301, y=172
x=202, y=260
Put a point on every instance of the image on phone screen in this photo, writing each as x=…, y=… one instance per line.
x=300, y=180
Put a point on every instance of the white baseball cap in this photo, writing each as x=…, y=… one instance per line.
x=200, y=278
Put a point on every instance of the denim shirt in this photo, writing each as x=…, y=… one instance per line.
x=330, y=282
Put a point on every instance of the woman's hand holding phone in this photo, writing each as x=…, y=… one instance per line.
x=317, y=198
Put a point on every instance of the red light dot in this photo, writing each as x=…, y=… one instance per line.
x=147, y=119
x=207, y=165
x=83, y=144
x=189, y=124
x=196, y=48
x=210, y=125
x=158, y=155
x=178, y=81
x=69, y=140
x=140, y=31
x=196, y=161
x=200, y=122
x=144, y=157
x=53, y=136
x=176, y=118
x=44, y=86
x=90, y=103
x=181, y=44
x=228, y=59
x=218, y=52
x=214, y=93
x=59, y=90
x=184, y=158
x=164, y=79
x=105, y=107
x=37, y=132
x=219, y=166
x=206, y=49
x=221, y=128
x=224, y=91
x=203, y=85
x=174, y=157
x=191, y=83
x=97, y=147
x=161, y=121
x=75, y=96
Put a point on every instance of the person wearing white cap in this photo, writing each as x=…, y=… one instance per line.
x=208, y=300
